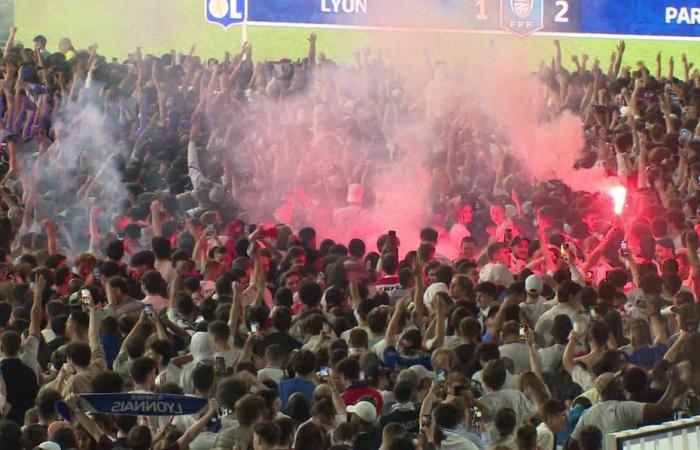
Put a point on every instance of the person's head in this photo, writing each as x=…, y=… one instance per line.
x=610, y=387
x=561, y=328
x=403, y=391
x=357, y=248
x=448, y=415
x=282, y=319
x=494, y=374
x=348, y=371
x=391, y=432
x=309, y=437
x=664, y=249
x=461, y=287
x=160, y=351
x=526, y=437
x=486, y=294
x=266, y=435
x=505, y=421
x=143, y=262
x=555, y=415
x=10, y=343
x=567, y=291
x=468, y=248
x=591, y=438
x=78, y=354
x=639, y=333
x=310, y=293
x=45, y=402
x=274, y=355
x=304, y=362
x=498, y=213
x=152, y=283
x=323, y=414
x=139, y=438
x=40, y=41
x=143, y=372
x=249, y=409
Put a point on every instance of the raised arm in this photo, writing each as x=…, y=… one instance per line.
x=392, y=330
x=193, y=431
x=440, y=325
x=35, y=313
x=312, y=49
x=497, y=323
x=10, y=40
x=50, y=227
x=93, y=328
x=235, y=311
x=568, y=357
x=418, y=290
x=156, y=221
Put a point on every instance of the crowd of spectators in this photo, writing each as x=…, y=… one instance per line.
x=145, y=247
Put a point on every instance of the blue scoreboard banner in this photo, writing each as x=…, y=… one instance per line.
x=668, y=18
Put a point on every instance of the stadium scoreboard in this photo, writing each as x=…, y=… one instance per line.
x=635, y=18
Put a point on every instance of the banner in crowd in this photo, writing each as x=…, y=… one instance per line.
x=143, y=404
x=679, y=18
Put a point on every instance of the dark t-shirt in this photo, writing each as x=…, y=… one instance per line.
x=409, y=419
x=22, y=387
x=466, y=359
x=284, y=340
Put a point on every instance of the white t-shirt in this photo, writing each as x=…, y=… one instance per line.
x=550, y=357
x=545, y=438
x=271, y=373
x=610, y=417
x=509, y=398
x=518, y=353
x=583, y=377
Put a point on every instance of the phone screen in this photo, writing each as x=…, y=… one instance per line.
x=148, y=310
x=254, y=327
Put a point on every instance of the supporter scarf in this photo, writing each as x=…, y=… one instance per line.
x=139, y=404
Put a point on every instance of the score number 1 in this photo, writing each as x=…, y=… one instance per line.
x=481, y=4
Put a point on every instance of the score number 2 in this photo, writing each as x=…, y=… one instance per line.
x=562, y=16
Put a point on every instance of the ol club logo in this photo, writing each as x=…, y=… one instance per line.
x=224, y=12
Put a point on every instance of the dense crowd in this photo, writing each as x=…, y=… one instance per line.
x=223, y=230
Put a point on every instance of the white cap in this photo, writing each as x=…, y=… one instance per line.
x=364, y=410
x=533, y=284
x=432, y=290
x=422, y=372
x=202, y=346
x=49, y=445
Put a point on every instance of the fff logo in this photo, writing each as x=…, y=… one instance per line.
x=522, y=17
x=225, y=12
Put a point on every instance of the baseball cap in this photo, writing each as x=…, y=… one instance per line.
x=422, y=372
x=49, y=445
x=364, y=410
x=533, y=284
x=432, y=290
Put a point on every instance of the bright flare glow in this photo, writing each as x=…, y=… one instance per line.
x=618, y=194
